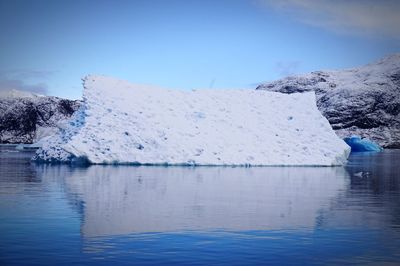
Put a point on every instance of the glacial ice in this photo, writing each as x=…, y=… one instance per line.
x=123, y=123
x=360, y=145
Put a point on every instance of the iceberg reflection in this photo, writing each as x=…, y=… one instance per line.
x=122, y=200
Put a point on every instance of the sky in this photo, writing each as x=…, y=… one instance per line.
x=47, y=46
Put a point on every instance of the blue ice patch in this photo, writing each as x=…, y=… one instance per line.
x=361, y=145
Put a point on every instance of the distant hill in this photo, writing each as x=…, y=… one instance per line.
x=363, y=101
x=26, y=117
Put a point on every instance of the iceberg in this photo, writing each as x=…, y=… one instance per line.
x=123, y=123
x=361, y=145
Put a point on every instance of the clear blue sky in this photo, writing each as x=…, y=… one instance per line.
x=47, y=46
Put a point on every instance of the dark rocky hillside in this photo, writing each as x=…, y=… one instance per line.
x=26, y=118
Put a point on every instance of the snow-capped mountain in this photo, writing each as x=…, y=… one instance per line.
x=27, y=117
x=124, y=123
x=362, y=101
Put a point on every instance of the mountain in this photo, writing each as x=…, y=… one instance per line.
x=362, y=101
x=27, y=117
x=123, y=123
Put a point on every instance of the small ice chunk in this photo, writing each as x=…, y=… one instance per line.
x=362, y=145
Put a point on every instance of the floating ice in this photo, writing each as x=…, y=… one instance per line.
x=360, y=145
x=122, y=123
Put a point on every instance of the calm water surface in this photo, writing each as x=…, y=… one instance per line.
x=62, y=215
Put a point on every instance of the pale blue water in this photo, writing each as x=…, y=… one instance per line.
x=110, y=215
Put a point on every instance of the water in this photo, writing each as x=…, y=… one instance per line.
x=51, y=215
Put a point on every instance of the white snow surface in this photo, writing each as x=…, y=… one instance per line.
x=123, y=123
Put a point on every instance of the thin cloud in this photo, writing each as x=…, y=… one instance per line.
x=366, y=17
x=9, y=84
x=287, y=68
x=28, y=74
x=16, y=80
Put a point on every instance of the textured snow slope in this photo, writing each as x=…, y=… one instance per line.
x=362, y=101
x=124, y=123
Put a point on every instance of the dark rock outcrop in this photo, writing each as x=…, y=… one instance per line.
x=26, y=117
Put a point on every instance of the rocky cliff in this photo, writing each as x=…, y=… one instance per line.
x=27, y=117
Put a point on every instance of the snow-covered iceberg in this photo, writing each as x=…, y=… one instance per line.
x=123, y=123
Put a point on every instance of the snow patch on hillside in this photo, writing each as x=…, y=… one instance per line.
x=124, y=123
